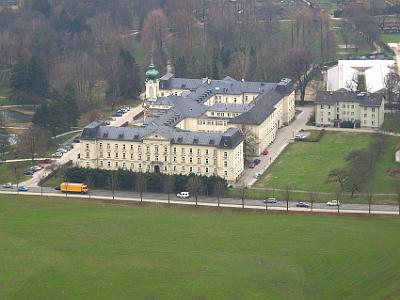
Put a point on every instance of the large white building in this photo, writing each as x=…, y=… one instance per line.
x=347, y=74
x=198, y=126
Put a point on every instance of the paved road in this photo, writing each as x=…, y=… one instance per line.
x=353, y=130
x=283, y=138
x=72, y=155
x=212, y=201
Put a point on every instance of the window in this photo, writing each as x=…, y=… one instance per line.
x=101, y=163
x=101, y=154
x=373, y=109
x=87, y=146
x=198, y=152
x=101, y=145
x=206, y=151
x=108, y=146
x=206, y=170
x=139, y=148
x=206, y=161
x=373, y=122
x=165, y=149
x=116, y=164
x=352, y=106
x=109, y=154
x=156, y=149
x=226, y=173
x=322, y=107
x=165, y=158
x=225, y=164
x=147, y=149
x=225, y=155
x=123, y=165
x=199, y=161
x=116, y=154
x=373, y=116
x=190, y=169
x=148, y=158
x=190, y=160
x=131, y=147
x=123, y=147
x=131, y=156
x=190, y=151
x=365, y=115
x=174, y=150
x=123, y=156
x=87, y=154
x=140, y=156
x=156, y=157
x=109, y=164
x=174, y=158
x=183, y=159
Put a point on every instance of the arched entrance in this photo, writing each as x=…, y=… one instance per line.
x=156, y=169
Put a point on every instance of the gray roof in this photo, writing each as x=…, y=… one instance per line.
x=228, y=139
x=227, y=85
x=263, y=107
x=363, y=99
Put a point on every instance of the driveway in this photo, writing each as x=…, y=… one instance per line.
x=283, y=138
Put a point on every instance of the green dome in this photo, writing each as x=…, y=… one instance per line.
x=152, y=72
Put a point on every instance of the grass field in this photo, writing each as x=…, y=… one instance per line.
x=305, y=166
x=7, y=171
x=390, y=38
x=70, y=249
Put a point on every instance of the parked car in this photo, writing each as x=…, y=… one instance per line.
x=270, y=201
x=7, y=185
x=252, y=165
x=118, y=114
x=23, y=188
x=76, y=140
x=257, y=161
x=300, y=136
x=183, y=195
x=62, y=150
x=333, y=203
x=302, y=204
x=37, y=168
x=29, y=172
x=68, y=146
x=258, y=174
x=48, y=161
x=264, y=152
x=107, y=122
x=57, y=154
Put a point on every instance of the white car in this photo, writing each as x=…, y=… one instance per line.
x=57, y=154
x=62, y=150
x=333, y=203
x=8, y=185
x=183, y=195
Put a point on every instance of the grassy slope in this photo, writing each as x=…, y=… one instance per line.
x=305, y=166
x=7, y=172
x=64, y=249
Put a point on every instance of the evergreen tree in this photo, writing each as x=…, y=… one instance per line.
x=180, y=67
x=128, y=77
x=39, y=84
x=71, y=108
x=20, y=75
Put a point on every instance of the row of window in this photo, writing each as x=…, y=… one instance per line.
x=350, y=119
x=348, y=106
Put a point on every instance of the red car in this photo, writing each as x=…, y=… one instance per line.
x=252, y=165
x=265, y=152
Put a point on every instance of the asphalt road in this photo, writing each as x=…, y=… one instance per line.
x=212, y=201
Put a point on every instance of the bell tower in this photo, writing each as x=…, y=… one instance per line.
x=152, y=83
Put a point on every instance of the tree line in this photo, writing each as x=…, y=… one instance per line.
x=150, y=182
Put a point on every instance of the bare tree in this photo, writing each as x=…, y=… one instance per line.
x=313, y=197
x=370, y=197
x=168, y=185
x=141, y=184
x=195, y=186
x=287, y=195
x=392, y=82
x=300, y=64
x=219, y=189
x=338, y=195
x=113, y=183
x=243, y=194
x=89, y=181
x=250, y=141
x=32, y=141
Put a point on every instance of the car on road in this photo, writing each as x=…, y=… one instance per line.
x=183, y=195
x=23, y=188
x=57, y=188
x=264, y=152
x=28, y=172
x=258, y=174
x=257, y=161
x=76, y=140
x=252, y=165
x=118, y=114
x=333, y=203
x=57, y=154
x=68, y=147
x=37, y=168
x=7, y=185
x=270, y=201
x=303, y=204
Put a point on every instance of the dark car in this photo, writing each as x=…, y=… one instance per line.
x=257, y=161
x=22, y=188
x=76, y=140
x=302, y=204
x=29, y=172
x=265, y=152
x=252, y=165
x=57, y=187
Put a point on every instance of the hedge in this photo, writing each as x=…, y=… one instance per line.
x=126, y=180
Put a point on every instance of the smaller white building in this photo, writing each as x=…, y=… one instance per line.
x=362, y=109
x=346, y=74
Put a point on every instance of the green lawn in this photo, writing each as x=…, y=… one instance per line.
x=7, y=171
x=305, y=165
x=69, y=249
x=390, y=37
